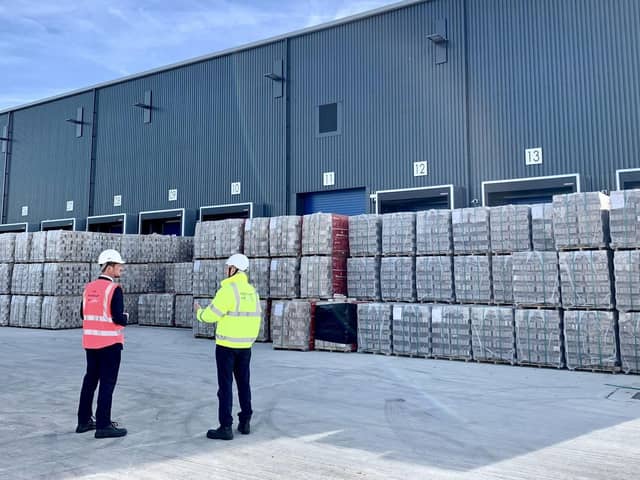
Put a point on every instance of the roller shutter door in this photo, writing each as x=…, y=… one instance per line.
x=345, y=202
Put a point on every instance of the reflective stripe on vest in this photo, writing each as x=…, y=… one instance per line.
x=98, y=328
x=232, y=341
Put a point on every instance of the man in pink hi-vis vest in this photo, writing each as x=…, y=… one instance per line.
x=103, y=322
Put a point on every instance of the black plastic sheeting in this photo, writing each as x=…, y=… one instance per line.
x=336, y=322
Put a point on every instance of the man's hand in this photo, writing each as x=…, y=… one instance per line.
x=196, y=307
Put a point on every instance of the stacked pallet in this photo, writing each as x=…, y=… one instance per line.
x=202, y=329
x=397, y=267
x=336, y=326
x=472, y=275
x=374, y=328
x=285, y=243
x=536, y=279
x=502, y=279
x=292, y=324
x=542, y=237
x=629, y=328
x=586, y=279
x=510, y=228
x=493, y=334
x=590, y=340
x=365, y=248
x=434, y=262
x=581, y=220
x=256, y=248
x=411, y=327
x=156, y=309
x=471, y=230
x=451, y=332
x=539, y=337
x=325, y=248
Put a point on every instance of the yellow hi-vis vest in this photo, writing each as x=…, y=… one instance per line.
x=236, y=308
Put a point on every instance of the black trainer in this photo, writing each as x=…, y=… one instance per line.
x=112, y=431
x=244, y=427
x=221, y=433
x=85, y=427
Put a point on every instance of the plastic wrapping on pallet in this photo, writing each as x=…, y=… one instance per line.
x=17, y=310
x=502, y=278
x=586, y=279
x=148, y=248
x=451, y=331
x=5, y=309
x=590, y=339
x=434, y=279
x=623, y=219
x=61, y=312
x=538, y=337
x=7, y=247
x=181, y=249
x=291, y=324
x=365, y=235
x=131, y=307
x=143, y=278
x=202, y=329
x=325, y=234
x=510, y=228
x=22, y=247
x=207, y=275
x=184, y=316
x=398, y=279
x=629, y=326
x=284, y=278
x=536, y=279
x=65, y=278
x=374, y=328
x=493, y=334
x=38, y=253
x=471, y=230
x=259, y=272
x=256, y=237
x=627, y=279
x=542, y=227
x=178, y=278
x=411, y=327
x=399, y=233
x=363, y=278
x=219, y=239
x=336, y=322
x=285, y=236
x=581, y=220
x=323, y=277
x=27, y=278
x=434, y=232
x=264, y=334
x=472, y=276
x=33, y=312
x=65, y=246
x=156, y=309
x=6, y=270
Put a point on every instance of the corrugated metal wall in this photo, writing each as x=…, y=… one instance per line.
x=398, y=106
x=212, y=123
x=561, y=75
x=49, y=164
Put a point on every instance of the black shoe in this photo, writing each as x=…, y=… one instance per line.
x=244, y=427
x=85, y=427
x=221, y=433
x=112, y=431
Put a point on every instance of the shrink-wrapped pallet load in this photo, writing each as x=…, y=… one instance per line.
x=259, y=273
x=65, y=279
x=323, y=277
x=542, y=227
x=284, y=278
x=434, y=232
x=502, y=279
x=493, y=334
x=510, y=228
x=65, y=246
x=6, y=271
x=291, y=324
x=586, y=279
x=365, y=235
x=472, y=274
x=627, y=280
x=264, y=334
x=590, y=340
x=451, y=331
x=7, y=247
x=184, y=315
x=363, y=278
x=61, y=312
x=23, y=247
x=374, y=328
x=581, y=220
x=202, y=329
x=398, y=279
x=411, y=326
x=38, y=253
x=33, y=312
x=471, y=230
x=629, y=325
x=538, y=337
x=536, y=279
x=156, y=309
x=207, y=276
x=399, y=233
x=179, y=278
x=285, y=236
x=5, y=310
x=17, y=310
x=325, y=234
x=256, y=237
x=623, y=219
x=434, y=279
x=131, y=307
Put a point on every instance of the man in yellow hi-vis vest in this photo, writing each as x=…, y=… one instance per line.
x=236, y=308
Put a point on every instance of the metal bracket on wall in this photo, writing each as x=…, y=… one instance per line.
x=146, y=106
x=78, y=121
x=277, y=76
x=440, y=41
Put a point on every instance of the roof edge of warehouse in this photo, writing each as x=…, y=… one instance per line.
x=222, y=53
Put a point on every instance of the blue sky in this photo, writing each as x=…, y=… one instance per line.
x=48, y=47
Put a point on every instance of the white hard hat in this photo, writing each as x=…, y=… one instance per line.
x=109, y=256
x=238, y=260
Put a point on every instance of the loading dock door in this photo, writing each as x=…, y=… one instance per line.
x=628, y=179
x=528, y=191
x=163, y=222
x=345, y=202
x=417, y=199
x=107, y=223
x=13, y=227
x=62, y=224
x=223, y=212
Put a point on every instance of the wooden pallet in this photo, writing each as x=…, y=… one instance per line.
x=294, y=349
x=376, y=353
x=583, y=248
x=521, y=363
x=410, y=355
x=494, y=361
x=453, y=358
x=601, y=369
x=524, y=306
x=610, y=308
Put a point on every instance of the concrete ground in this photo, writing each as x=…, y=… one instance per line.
x=318, y=415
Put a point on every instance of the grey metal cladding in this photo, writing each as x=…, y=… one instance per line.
x=49, y=164
x=398, y=106
x=561, y=75
x=213, y=123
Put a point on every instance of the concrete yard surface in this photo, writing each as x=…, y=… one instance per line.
x=318, y=415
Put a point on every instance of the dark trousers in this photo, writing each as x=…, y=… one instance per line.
x=102, y=367
x=233, y=362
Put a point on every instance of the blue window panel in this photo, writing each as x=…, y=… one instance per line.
x=344, y=202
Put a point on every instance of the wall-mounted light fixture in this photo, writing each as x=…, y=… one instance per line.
x=440, y=40
x=277, y=76
x=147, y=106
x=78, y=121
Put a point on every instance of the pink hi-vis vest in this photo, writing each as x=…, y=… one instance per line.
x=98, y=329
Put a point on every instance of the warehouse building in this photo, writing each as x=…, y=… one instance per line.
x=418, y=105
